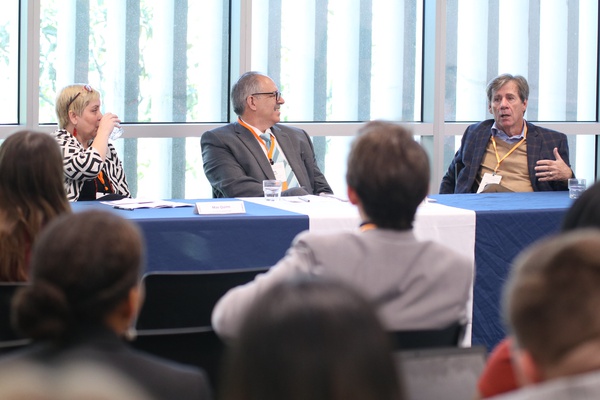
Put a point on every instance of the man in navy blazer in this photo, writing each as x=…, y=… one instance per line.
x=237, y=159
x=508, y=152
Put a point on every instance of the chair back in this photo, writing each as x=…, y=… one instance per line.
x=7, y=291
x=186, y=299
x=449, y=373
x=449, y=336
x=200, y=347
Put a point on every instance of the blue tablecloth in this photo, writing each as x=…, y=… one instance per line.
x=506, y=223
x=179, y=240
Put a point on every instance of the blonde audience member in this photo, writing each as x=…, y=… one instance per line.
x=31, y=195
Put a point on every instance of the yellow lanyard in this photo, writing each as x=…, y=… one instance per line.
x=270, y=150
x=498, y=159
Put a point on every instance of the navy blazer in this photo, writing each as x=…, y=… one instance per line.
x=235, y=164
x=461, y=174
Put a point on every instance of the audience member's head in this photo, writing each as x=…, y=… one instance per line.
x=585, y=211
x=32, y=193
x=552, y=301
x=311, y=339
x=67, y=381
x=387, y=175
x=85, y=271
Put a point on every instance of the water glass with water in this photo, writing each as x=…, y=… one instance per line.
x=272, y=189
x=576, y=187
x=116, y=133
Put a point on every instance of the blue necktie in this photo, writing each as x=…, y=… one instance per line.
x=267, y=138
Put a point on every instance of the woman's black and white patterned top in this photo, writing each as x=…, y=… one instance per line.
x=84, y=164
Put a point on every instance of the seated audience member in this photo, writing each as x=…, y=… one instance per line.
x=31, y=195
x=551, y=304
x=416, y=284
x=92, y=169
x=83, y=297
x=239, y=156
x=508, y=153
x=311, y=339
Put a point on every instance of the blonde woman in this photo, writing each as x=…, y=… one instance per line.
x=92, y=169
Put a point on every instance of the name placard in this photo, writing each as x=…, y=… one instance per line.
x=220, y=207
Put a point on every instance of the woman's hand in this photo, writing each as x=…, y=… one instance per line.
x=107, y=124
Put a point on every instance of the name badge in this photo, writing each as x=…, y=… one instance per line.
x=279, y=171
x=220, y=207
x=488, y=179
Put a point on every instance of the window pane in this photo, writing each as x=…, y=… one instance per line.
x=552, y=43
x=152, y=60
x=9, y=62
x=341, y=60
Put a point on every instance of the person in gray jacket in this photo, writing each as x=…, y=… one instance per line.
x=415, y=284
x=239, y=156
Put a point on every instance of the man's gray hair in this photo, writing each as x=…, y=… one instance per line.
x=247, y=84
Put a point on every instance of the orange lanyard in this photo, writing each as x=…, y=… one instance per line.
x=270, y=150
x=498, y=159
x=367, y=227
x=101, y=179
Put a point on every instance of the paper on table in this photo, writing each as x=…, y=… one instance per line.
x=132, y=204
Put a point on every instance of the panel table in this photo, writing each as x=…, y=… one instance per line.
x=506, y=223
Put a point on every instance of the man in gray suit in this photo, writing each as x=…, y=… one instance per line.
x=239, y=156
x=415, y=284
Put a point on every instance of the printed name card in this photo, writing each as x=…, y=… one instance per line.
x=220, y=207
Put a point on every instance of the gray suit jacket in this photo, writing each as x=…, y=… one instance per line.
x=415, y=284
x=235, y=164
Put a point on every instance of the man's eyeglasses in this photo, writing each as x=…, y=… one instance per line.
x=87, y=88
x=276, y=93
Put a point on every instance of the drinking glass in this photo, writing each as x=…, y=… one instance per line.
x=116, y=133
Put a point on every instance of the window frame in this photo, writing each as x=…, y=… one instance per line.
x=433, y=130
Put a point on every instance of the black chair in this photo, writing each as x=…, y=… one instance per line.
x=194, y=346
x=12, y=345
x=7, y=291
x=451, y=336
x=449, y=373
x=186, y=299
